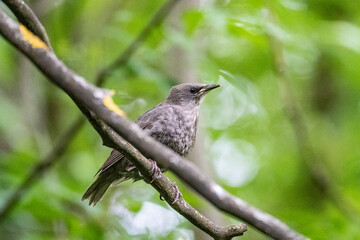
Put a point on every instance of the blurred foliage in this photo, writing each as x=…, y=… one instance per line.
x=250, y=144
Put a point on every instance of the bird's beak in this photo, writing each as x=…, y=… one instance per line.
x=209, y=87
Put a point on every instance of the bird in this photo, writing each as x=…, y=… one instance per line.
x=173, y=123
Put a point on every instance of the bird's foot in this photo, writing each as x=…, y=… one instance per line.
x=178, y=193
x=177, y=196
x=155, y=172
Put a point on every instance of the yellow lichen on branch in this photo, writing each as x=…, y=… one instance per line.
x=109, y=103
x=29, y=37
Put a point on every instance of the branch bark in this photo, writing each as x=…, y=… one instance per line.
x=162, y=184
x=64, y=140
x=27, y=17
x=100, y=103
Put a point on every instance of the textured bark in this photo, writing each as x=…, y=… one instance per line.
x=92, y=99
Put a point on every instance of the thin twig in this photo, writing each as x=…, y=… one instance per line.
x=98, y=101
x=130, y=50
x=49, y=161
x=27, y=17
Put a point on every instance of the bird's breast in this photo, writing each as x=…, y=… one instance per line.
x=176, y=128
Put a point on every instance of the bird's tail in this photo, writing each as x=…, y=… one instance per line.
x=97, y=190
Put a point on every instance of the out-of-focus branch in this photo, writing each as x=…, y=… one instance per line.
x=308, y=155
x=49, y=160
x=99, y=102
x=161, y=183
x=5, y=146
x=69, y=134
x=27, y=17
x=125, y=56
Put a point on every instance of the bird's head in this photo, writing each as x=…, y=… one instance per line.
x=189, y=93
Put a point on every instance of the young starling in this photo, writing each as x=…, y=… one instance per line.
x=172, y=122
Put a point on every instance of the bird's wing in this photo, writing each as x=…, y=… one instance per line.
x=114, y=157
x=145, y=122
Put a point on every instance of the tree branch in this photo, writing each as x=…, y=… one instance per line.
x=162, y=184
x=64, y=140
x=100, y=103
x=125, y=56
x=27, y=17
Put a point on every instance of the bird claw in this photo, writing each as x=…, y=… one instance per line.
x=178, y=193
x=177, y=196
x=155, y=172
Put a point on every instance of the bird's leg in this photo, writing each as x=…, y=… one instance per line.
x=178, y=193
x=177, y=196
x=155, y=172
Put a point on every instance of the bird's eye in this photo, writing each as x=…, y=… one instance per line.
x=193, y=90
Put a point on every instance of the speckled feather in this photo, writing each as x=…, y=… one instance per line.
x=172, y=122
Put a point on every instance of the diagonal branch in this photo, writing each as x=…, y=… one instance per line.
x=64, y=140
x=162, y=184
x=27, y=17
x=99, y=102
x=129, y=51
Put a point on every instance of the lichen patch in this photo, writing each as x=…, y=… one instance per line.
x=109, y=103
x=29, y=37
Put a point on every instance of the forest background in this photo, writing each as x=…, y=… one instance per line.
x=281, y=133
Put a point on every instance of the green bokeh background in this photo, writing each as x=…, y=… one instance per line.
x=224, y=42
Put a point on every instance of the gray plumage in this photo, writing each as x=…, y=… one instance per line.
x=172, y=122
